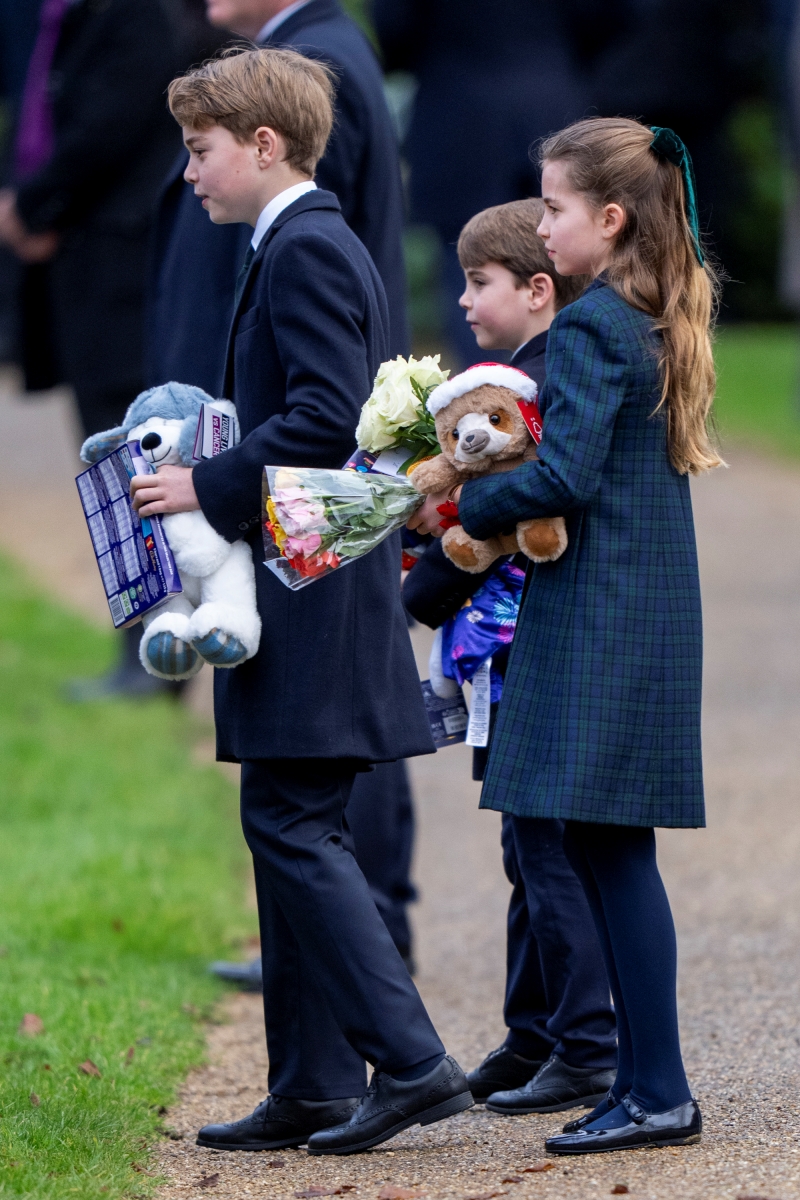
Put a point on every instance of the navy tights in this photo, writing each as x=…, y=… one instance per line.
x=617, y=866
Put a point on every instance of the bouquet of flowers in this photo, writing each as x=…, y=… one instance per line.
x=395, y=423
x=316, y=521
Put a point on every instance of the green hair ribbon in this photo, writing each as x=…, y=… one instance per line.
x=668, y=145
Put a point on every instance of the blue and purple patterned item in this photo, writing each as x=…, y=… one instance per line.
x=483, y=628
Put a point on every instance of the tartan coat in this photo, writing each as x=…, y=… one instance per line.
x=600, y=717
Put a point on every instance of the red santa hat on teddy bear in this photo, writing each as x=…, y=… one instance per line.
x=496, y=375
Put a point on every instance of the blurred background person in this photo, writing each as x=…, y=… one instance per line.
x=490, y=82
x=91, y=144
x=695, y=66
x=500, y=78
x=19, y=23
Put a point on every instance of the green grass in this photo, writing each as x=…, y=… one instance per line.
x=758, y=387
x=121, y=874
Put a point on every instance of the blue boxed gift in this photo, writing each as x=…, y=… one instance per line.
x=135, y=561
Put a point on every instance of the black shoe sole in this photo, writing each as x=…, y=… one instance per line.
x=579, y=1102
x=282, y=1144
x=692, y=1139
x=440, y=1112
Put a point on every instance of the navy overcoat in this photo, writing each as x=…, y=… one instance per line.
x=334, y=676
x=600, y=717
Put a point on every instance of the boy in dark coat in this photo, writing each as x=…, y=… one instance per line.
x=560, y=1050
x=333, y=687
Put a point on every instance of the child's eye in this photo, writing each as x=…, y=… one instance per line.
x=494, y=418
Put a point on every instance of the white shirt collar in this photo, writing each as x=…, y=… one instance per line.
x=273, y=23
x=276, y=206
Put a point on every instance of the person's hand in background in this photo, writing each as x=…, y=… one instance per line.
x=29, y=247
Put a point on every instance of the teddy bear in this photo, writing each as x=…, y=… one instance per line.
x=214, y=619
x=481, y=430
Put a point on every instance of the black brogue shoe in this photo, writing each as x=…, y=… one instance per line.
x=278, y=1122
x=392, y=1105
x=500, y=1071
x=556, y=1086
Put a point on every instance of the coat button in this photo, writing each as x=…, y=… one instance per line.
x=244, y=526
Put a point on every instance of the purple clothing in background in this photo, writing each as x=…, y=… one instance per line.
x=34, y=142
x=484, y=627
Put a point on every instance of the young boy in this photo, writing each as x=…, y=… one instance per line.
x=559, y=1052
x=333, y=687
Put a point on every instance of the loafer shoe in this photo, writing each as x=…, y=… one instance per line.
x=555, y=1087
x=681, y=1126
x=501, y=1070
x=278, y=1122
x=391, y=1105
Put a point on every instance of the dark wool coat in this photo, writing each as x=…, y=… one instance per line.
x=600, y=717
x=334, y=676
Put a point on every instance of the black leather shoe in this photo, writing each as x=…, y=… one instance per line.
x=500, y=1070
x=681, y=1126
x=554, y=1087
x=279, y=1121
x=391, y=1106
x=247, y=975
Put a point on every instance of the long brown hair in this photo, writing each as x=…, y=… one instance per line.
x=654, y=267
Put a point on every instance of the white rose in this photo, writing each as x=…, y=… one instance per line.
x=393, y=371
x=397, y=404
x=427, y=373
x=372, y=432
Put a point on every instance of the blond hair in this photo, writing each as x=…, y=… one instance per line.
x=654, y=267
x=245, y=89
x=506, y=234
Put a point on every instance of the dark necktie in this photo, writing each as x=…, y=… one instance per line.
x=242, y=276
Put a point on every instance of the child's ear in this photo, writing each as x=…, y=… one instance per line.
x=542, y=290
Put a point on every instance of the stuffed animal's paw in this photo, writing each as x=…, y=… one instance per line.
x=220, y=649
x=468, y=553
x=543, y=539
x=170, y=657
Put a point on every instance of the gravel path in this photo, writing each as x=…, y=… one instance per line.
x=735, y=889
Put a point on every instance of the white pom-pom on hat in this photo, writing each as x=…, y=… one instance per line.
x=496, y=374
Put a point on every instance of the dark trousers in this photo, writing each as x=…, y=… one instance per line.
x=336, y=992
x=557, y=993
x=617, y=867
x=380, y=817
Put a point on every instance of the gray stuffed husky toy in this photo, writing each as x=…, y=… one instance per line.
x=214, y=619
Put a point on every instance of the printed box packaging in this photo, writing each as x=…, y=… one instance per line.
x=134, y=558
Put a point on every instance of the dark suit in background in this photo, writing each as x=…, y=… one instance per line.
x=557, y=995
x=195, y=263
x=333, y=686
x=492, y=79
x=114, y=140
x=688, y=65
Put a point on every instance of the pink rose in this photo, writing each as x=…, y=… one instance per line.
x=302, y=546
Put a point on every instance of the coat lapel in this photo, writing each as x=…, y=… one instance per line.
x=319, y=199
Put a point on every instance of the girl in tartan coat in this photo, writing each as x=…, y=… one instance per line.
x=600, y=719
